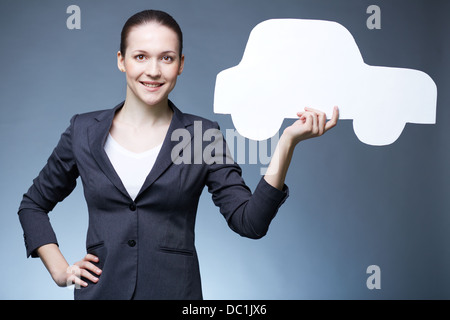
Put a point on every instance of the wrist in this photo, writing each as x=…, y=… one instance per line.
x=287, y=143
x=54, y=262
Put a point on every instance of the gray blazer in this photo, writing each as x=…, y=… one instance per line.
x=146, y=246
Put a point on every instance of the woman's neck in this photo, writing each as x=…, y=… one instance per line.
x=139, y=127
x=138, y=114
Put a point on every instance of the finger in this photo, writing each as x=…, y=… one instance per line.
x=309, y=122
x=302, y=116
x=89, y=266
x=334, y=119
x=87, y=275
x=91, y=257
x=74, y=280
x=93, y=268
x=78, y=281
x=316, y=111
x=74, y=276
x=308, y=110
x=315, y=123
x=322, y=121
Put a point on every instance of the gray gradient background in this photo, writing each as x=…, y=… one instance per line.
x=351, y=205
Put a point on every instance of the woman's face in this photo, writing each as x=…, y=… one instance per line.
x=152, y=62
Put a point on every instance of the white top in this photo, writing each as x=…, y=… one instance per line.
x=132, y=168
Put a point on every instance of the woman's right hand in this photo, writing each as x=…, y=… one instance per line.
x=65, y=275
x=83, y=268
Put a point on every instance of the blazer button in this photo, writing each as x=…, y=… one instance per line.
x=132, y=207
x=131, y=243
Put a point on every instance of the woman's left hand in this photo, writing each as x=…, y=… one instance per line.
x=311, y=123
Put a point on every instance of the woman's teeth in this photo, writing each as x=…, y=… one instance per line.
x=151, y=85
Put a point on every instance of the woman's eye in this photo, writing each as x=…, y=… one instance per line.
x=167, y=59
x=140, y=57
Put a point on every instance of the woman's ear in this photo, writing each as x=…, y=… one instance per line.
x=120, y=61
x=180, y=70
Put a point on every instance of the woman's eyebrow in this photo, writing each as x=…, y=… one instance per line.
x=139, y=51
x=146, y=52
x=168, y=51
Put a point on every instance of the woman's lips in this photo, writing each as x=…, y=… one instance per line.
x=152, y=86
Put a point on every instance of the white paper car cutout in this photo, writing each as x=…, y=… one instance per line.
x=289, y=64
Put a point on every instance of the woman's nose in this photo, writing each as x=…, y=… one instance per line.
x=152, y=69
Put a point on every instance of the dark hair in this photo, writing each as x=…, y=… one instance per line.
x=148, y=16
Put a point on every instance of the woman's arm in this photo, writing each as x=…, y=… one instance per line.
x=63, y=274
x=54, y=183
x=312, y=123
x=249, y=214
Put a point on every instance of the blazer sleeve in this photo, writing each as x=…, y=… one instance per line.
x=54, y=183
x=248, y=214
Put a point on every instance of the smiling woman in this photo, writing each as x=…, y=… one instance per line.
x=142, y=206
x=152, y=62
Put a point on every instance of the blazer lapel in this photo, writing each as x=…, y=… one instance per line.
x=164, y=159
x=97, y=135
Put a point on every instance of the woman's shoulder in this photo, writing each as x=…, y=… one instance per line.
x=96, y=115
x=189, y=118
x=193, y=118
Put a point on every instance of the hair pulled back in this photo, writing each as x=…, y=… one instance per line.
x=149, y=16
